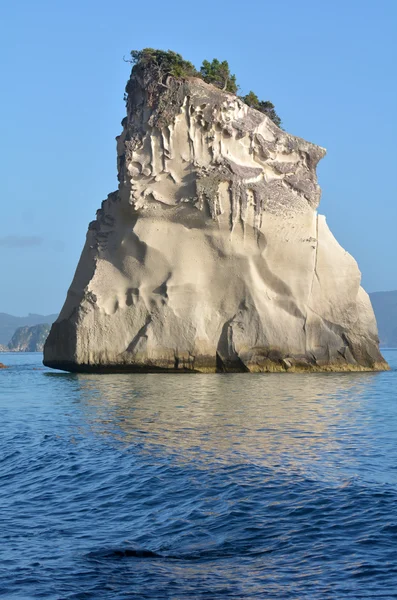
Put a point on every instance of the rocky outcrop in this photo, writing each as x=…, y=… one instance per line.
x=211, y=255
x=10, y=323
x=29, y=339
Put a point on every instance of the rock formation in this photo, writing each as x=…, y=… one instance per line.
x=211, y=255
x=29, y=339
x=9, y=324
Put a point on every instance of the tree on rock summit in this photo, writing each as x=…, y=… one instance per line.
x=218, y=73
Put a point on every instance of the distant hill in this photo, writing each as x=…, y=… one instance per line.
x=9, y=323
x=385, y=307
x=29, y=339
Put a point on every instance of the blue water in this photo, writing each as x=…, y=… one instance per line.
x=197, y=486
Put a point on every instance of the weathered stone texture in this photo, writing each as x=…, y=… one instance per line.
x=211, y=255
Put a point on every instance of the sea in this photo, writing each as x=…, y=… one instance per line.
x=152, y=486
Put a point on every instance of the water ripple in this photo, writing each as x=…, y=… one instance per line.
x=152, y=486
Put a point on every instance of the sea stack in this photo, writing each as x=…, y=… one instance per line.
x=211, y=257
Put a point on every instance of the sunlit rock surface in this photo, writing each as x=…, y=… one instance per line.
x=211, y=255
x=29, y=339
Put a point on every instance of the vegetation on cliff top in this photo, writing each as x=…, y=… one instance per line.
x=218, y=73
x=264, y=106
x=163, y=63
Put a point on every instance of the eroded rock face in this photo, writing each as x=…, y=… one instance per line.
x=29, y=339
x=211, y=255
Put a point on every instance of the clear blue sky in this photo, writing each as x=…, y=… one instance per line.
x=329, y=67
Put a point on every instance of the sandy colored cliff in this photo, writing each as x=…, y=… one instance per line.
x=211, y=255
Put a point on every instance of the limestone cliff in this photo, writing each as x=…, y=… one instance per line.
x=10, y=323
x=29, y=339
x=211, y=255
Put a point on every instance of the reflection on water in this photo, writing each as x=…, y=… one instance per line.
x=183, y=486
x=293, y=421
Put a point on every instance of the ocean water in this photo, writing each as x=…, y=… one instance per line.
x=197, y=486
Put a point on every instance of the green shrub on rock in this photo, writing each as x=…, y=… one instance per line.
x=251, y=99
x=157, y=65
x=166, y=62
x=218, y=73
x=264, y=106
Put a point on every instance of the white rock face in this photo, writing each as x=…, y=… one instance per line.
x=211, y=255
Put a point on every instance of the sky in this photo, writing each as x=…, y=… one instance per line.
x=329, y=68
